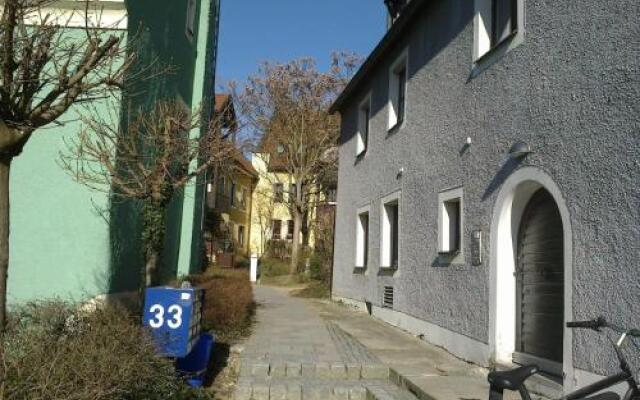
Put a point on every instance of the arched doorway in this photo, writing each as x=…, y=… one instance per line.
x=540, y=284
x=527, y=196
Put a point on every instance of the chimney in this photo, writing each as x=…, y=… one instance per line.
x=395, y=9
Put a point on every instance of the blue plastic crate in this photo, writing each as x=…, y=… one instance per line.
x=174, y=318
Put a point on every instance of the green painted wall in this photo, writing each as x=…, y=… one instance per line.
x=60, y=238
x=191, y=243
x=62, y=244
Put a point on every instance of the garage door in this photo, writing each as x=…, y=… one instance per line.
x=540, y=281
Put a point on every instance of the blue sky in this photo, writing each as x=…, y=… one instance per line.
x=252, y=31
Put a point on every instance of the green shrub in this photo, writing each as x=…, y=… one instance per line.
x=319, y=267
x=242, y=262
x=56, y=351
x=270, y=267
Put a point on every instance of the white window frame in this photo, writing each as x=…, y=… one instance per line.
x=385, y=229
x=445, y=200
x=402, y=62
x=362, y=237
x=190, y=20
x=363, y=121
x=483, y=26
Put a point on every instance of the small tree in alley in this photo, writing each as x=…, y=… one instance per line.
x=43, y=72
x=147, y=161
x=288, y=106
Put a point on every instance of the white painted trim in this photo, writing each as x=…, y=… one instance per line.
x=459, y=345
x=102, y=14
x=403, y=59
x=481, y=28
x=443, y=221
x=361, y=146
x=360, y=237
x=508, y=209
x=385, y=229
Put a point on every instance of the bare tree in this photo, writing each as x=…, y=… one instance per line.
x=148, y=161
x=288, y=105
x=263, y=212
x=43, y=72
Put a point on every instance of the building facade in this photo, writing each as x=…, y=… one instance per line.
x=271, y=219
x=487, y=188
x=71, y=242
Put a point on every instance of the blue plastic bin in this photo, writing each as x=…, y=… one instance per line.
x=194, y=366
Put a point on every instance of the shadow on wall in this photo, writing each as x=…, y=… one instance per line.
x=126, y=246
x=503, y=173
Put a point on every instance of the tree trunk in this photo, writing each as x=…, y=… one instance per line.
x=151, y=268
x=295, y=244
x=5, y=169
x=153, y=232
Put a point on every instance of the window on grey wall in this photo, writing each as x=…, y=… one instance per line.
x=362, y=240
x=496, y=21
x=397, y=92
x=450, y=221
x=364, y=116
x=390, y=231
x=505, y=18
x=394, y=234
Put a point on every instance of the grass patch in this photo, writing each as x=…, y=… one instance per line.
x=313, y=290
x=272, y=267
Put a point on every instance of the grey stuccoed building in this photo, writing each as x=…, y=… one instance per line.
x=489, y=179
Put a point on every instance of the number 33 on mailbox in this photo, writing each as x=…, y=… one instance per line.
x=173, y=317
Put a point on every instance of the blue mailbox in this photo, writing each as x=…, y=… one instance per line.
x=173, y=316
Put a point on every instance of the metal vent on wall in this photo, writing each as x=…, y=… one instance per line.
x=387, y=300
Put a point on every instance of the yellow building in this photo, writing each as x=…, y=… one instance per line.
x=229, y=198
x=271, y=219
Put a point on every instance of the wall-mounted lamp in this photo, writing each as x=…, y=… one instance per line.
x=519, y=150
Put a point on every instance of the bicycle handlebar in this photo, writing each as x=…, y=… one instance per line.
x=593, y=324
x=600, y=322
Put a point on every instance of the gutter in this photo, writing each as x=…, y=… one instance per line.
x=406, y=17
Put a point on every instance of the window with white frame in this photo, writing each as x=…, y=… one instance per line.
x=190, y=29
x=450, y=222
x=364, y=116
x=397, y=91
x=495, y=22
x=362, y=238
x=390, y=231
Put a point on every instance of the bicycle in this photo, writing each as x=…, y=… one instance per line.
x=515, y=378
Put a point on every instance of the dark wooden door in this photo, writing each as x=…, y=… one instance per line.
x=540, y=280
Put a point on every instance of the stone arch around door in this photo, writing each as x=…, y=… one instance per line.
x=513, y=198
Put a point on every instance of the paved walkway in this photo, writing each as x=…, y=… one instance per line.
x=291, y=333
x=288, y=330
